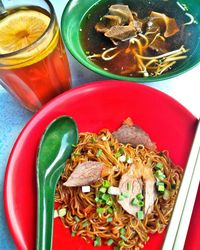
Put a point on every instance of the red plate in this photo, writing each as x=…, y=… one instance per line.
x=95, y=106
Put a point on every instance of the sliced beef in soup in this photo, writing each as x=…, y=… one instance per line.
x=167, y=23
x=120, y=32
x=119, y=24
x=108, y=22
x=121, y=11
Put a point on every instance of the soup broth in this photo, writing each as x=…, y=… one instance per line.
x=95, y=43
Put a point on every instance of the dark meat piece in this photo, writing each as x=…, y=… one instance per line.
x=101, y=27
x=152, y=27
x=134, y=135
x=169, y=24
x=108, y=22
x=119, y=24
x=84, y=174
x=120, y=32
x=122, y=11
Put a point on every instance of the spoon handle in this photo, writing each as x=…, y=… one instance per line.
x=45, y=216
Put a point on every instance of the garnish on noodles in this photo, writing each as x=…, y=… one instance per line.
x=117, y=188
x=135, y=45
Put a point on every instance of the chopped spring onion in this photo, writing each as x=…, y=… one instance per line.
x=159, y=183
x=99, y=153
x=55, y=214
x=160, y=175
x=110, y=202
x=140, y=203
x=121, y=243
x=110, y=219
x=182, y=6
x=62, y=212
x=134, y=202
x=97, y=199
x=122, y=231
x=102, y=202
x=97, y=242
x=161, y=187
x=114, y=190
x=140, y=215
x=137, y=202
x=85, y=189
x=85, y=223
x=77, y=219
x=76, y=154
x=116, y=248
x=105, y=197
x=159, y=166
x=110, y=210
x=100, y=210
x=121, y=197
x=119, y=153
x=102, y=189
x=129, y=186
x=106, y=184
x=123, y=237
x=125, y=194
x=121, y=150
x=140, y=196
x=109, y=242
x=73, y=234
x=122, y=158
x=93, y=140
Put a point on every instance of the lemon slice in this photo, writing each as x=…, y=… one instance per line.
x=20, y=29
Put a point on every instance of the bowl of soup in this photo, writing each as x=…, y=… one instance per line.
x=141, y=41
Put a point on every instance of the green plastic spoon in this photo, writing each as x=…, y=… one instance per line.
x=55, y=147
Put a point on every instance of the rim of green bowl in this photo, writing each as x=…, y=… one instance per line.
x=95, y=68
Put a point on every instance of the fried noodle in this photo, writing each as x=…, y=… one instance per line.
x=83, y=206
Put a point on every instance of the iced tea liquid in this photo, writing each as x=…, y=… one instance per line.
x=36, y=75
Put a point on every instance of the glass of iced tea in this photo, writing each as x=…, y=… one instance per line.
x=33, y=62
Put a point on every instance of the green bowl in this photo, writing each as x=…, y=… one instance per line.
x=76, y=10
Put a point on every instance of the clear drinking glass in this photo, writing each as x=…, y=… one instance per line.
x=33, y=62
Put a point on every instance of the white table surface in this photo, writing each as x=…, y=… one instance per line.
x=13, y=117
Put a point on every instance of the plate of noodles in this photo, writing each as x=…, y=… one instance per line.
x=120, y=184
